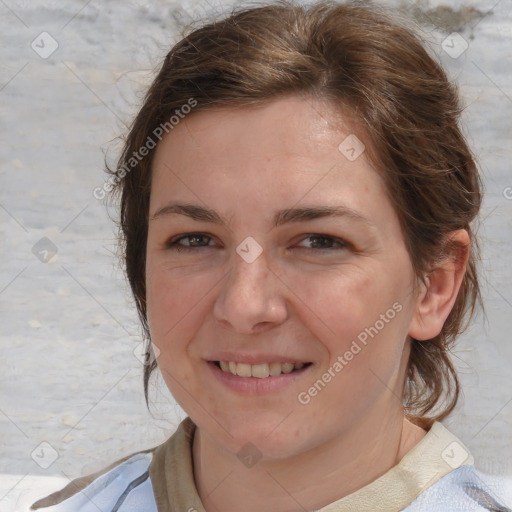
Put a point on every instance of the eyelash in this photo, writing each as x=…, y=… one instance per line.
x=174, y=245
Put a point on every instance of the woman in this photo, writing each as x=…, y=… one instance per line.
x=296, y=209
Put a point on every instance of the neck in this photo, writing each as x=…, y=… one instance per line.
x=309, y=480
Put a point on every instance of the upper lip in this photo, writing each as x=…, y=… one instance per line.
x=255, y=358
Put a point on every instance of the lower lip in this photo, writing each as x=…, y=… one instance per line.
x=253, y=385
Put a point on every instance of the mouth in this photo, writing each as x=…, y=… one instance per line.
x=259, y=371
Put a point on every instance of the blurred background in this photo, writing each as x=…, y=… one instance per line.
x=72, y=76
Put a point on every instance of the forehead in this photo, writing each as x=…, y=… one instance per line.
x=283, y=151
x=287, y=126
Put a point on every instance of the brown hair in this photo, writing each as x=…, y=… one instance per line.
x=358, y=59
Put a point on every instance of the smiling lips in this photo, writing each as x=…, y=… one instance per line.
x=260, y=371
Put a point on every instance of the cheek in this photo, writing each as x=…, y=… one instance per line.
x=361, y=318
x=177, y=299
x=175, y=296
x=358, y=316
x=341, y=303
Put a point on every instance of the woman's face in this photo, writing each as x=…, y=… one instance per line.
x=248, y=264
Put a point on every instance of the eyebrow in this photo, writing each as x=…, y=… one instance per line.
x=285, y=216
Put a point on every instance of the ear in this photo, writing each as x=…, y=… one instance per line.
x=439, y=292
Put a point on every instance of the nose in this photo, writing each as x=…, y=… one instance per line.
x=252, y=297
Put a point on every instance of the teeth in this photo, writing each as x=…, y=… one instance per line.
x=287, y=367
x=243, y=370
x=260, y=371
x=275, y=369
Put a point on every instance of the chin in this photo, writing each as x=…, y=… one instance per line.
x=264, y=433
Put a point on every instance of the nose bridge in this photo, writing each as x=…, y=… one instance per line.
x=249, y=276
x=250, y=295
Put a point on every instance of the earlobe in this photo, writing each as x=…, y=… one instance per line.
x=440, y=289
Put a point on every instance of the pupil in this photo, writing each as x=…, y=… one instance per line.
x=326, y=242
x=196, y=239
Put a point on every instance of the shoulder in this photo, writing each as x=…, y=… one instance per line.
x=122, y=486
x=462, y=490
x=148, y=480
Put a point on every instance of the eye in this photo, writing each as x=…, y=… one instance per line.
x=323, y=242
x=189, y=242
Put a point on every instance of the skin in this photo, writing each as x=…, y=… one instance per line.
x=297, y=298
